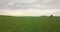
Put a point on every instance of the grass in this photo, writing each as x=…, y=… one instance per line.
x=29, y=24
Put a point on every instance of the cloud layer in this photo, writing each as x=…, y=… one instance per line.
x=29, y=4
x=30, y=7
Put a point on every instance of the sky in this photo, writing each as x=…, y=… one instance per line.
x=30, y=7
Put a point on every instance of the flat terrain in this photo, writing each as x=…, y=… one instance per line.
x=29, y=24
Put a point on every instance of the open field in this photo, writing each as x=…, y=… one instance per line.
x=29, y=24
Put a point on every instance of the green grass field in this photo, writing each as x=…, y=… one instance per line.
x=29, y=24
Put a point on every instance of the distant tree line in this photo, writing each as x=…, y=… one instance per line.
x=47, y=16
x=5, y=16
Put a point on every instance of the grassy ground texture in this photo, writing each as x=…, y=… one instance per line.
x=29, y=24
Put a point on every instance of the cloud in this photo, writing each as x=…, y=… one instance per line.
x=11, y=13
x=29, y=7
x=29, y=4
x=30, y=12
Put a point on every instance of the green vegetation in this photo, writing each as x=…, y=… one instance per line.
x=29, y=24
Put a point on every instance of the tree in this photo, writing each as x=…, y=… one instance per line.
x=51, y=15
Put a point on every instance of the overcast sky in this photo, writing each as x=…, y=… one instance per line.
x=30, y=7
